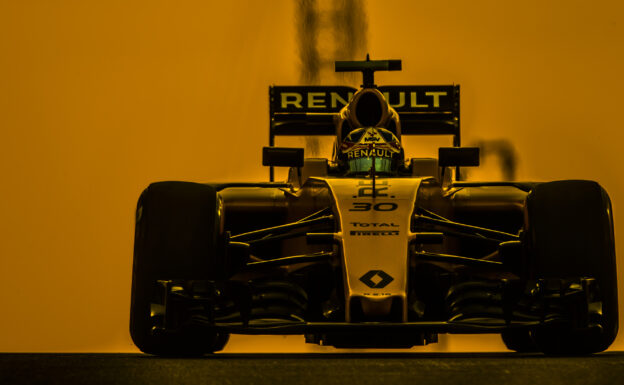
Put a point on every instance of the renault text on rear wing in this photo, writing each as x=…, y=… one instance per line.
x=309, y=110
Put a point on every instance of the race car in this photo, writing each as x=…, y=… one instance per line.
x=371, y=249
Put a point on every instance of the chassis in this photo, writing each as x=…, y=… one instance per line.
x=373, y=261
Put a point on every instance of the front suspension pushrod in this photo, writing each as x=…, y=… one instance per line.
x=458, y=259
x=281, y=228
x=500, y=235
x=325, y=255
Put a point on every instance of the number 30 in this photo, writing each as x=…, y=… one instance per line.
x=365, y=206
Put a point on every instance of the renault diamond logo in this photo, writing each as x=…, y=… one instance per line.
x=376, y=279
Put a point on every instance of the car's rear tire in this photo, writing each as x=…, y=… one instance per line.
x=569, y=234
x=178, y=236
x=519, y=341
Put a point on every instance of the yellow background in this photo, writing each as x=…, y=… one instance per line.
x=98, y=99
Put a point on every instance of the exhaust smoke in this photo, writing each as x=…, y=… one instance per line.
x=328, y=31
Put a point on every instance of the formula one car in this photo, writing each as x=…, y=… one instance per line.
x=370, y=249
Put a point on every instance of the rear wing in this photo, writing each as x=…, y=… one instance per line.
x=310, y=110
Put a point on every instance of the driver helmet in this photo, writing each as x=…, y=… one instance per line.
x=364, y=145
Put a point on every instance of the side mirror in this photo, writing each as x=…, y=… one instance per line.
x=282, y=157
x=458, y=156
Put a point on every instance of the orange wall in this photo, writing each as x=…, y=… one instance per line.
x=98, y=99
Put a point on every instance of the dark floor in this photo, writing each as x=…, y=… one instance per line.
x=317, y=369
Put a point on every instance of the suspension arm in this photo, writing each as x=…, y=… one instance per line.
x=473, y=230
x=281, y=229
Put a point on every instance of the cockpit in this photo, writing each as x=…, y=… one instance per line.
x=368, y=133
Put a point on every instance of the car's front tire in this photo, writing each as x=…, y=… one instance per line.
x=178, y=236
x=569, y=234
